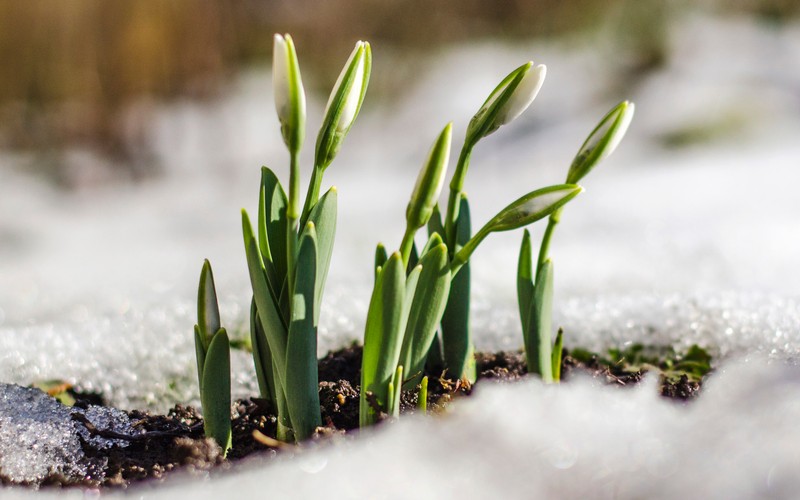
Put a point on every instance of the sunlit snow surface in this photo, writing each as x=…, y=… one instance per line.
x=693, y=245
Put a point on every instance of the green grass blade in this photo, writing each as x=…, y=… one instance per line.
x=261, y=356
x=538, y=350
x=382, y=339
x=426, y=311
x=200, y=355
x=268, y=313
x=396, y=390
x=380, y=258
x=216, y=394
x=207, y=308
x=323, y=215
x=456, y=335
x=272, y=225
x=558, y=351
x=372, y=345
x=301, y=350
x=525, y=287
x=422, y=400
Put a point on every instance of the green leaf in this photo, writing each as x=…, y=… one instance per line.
x=538, y=350
x=382, y=339
x=435, y=222
x=323, y=215
x=558, y=352
x=395, y=391
x=456, y=336
x=216, y=394
x=207, y=308
x=302, y=385
x=380, y=258
x=525, y=287
x=422, y=400
x=268, y=313
x=426, y=311
x=272, y=228
x=261, y=356
x=200, y=355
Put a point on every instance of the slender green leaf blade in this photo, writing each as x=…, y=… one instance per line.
x=538, y=350
x=261, y=356
x=525, y=288
x=558, y=351
x=372, y=349
x=200, y=355
x=273, y=225
x=302, y=386
x=271, y=319
x=426, y=311
x=207, y=308
x=323, y=215
x=216, y=394
x=455, y=328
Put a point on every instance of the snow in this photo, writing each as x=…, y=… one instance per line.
x=668, y=245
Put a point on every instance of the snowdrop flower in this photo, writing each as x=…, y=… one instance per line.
x=508, y=100
x=344, y=103
x=603, y=140
x=290, y=98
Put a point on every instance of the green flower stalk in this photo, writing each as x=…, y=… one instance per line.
x=510, y=98
x=535, y=285
x=212, y=350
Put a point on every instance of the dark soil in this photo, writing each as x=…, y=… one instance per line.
x=175, y=441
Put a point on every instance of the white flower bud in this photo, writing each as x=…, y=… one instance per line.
x=290, y=98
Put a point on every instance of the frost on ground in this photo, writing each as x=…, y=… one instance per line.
x=40, y=438
x=667, y=246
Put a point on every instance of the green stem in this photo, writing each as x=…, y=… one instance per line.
x=456, y=186
x=462, y=256
x=552, y=222
x=407, y=244
x=292, y=216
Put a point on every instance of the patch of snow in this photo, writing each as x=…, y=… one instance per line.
x=698, y=244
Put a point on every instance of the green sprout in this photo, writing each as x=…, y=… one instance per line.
x=507, y=101
x=213, y=363
x=410, y=295
x=535, y=285
x=289, y=254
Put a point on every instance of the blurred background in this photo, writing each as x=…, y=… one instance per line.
x=82, y=81
x=132, y=132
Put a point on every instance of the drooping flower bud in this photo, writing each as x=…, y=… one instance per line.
x=603, y=140
x=344, y=103
x=533, y=206
x=430, y=181
x=290, y=98
x=508, y=100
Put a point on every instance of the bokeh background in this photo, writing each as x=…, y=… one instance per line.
x=81, y=81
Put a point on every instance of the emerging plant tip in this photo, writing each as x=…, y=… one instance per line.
x=290, y=97
x=603, y=140
x=430, y=181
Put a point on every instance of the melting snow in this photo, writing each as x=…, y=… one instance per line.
x=698, y=245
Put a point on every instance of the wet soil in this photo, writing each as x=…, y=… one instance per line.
x=175, y=440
